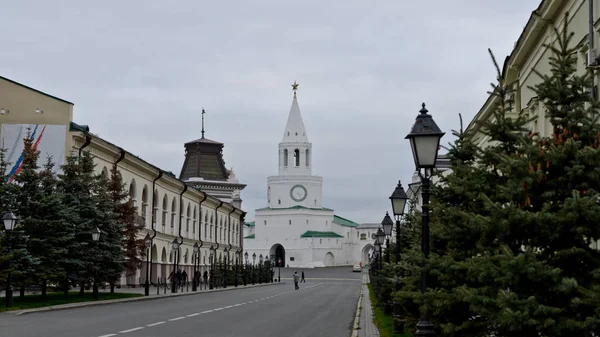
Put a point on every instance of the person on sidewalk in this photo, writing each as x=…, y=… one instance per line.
x=303, y=280
x=184, y=277
x=296, y=280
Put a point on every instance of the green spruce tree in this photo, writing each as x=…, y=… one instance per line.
x=110, y=261
x=8, y=196
x=133, y=244
x=537, y=270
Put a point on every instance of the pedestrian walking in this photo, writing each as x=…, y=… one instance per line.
x=303, y=280
x=184, y=276
x=296, y=279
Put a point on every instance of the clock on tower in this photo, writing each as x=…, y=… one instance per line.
x=298, y=193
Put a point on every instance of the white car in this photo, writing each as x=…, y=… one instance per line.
x=356, y=268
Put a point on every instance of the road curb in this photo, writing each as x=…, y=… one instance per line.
x=124, y=300
x=356, y=325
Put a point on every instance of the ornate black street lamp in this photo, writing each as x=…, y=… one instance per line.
x=95, y=238
x=175, y=245
x=273, y=257
x=245, y=267
x=387, y=224
x=253, y=266
x=237, y=263
x=226, y=252
x=268, y=273
x=9, y=220
x=211, y=260
x=424, y=139
x=148, y=241
x=398, y=199
x=380, y=237
x=260, y=269
x=194, y=278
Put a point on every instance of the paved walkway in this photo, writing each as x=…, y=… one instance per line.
x=367, y=326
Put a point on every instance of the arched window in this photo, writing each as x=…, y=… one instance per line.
x=307, y=157
x=132, y=192
x=164, y=212
x=297, y=157
x=285, y=157
x=173, y=214
x=187, y=220
x=145, y=202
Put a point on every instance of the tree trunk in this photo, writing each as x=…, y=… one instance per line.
x=82, y=288
x=44, y=287
x=22, y=291
x=112, y=287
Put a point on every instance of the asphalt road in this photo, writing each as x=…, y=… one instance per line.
x=324, y=306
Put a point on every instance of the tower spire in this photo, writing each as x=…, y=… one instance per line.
x=294, y=130
x=203, y=112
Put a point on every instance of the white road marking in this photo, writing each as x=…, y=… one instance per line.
x=157, y=323
x=205, y=312
x=132, y=330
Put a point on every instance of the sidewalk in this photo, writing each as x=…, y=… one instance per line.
x=364, y=320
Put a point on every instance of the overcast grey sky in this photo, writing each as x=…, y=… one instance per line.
x=139, y=73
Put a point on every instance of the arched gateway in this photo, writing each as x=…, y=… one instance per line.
x=278, y=252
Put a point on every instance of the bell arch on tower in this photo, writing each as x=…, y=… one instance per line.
x=296, y=157
x=285, y=157
x=278, y=252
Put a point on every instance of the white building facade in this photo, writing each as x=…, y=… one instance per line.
x=295, y=229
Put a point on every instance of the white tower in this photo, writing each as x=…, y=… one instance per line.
x=295, y=185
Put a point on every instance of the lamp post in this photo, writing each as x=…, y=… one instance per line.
x=269, y=277
x=226, y=252
x=387, y=224
x=95, y=238
x=9, y=220
x=279, y=271
x=260, y=269
x=211, y=260
x=245, y=267
x=148, y=240
x=175, y=245
x=237, y=263
x=424, y=139
x=273, y=257
x=253, y=266
x=194, y=278
x=398, y=199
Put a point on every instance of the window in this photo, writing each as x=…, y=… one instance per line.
x=297, y=157
x=265, y=222
x=279, y=201
x=307, y=221
x=290, y=221
x=285, y=157
x=320, y=241
x=363, y=236
x=307, y=157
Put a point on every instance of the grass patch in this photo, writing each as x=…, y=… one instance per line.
x=385, y=323
x=37, y=301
